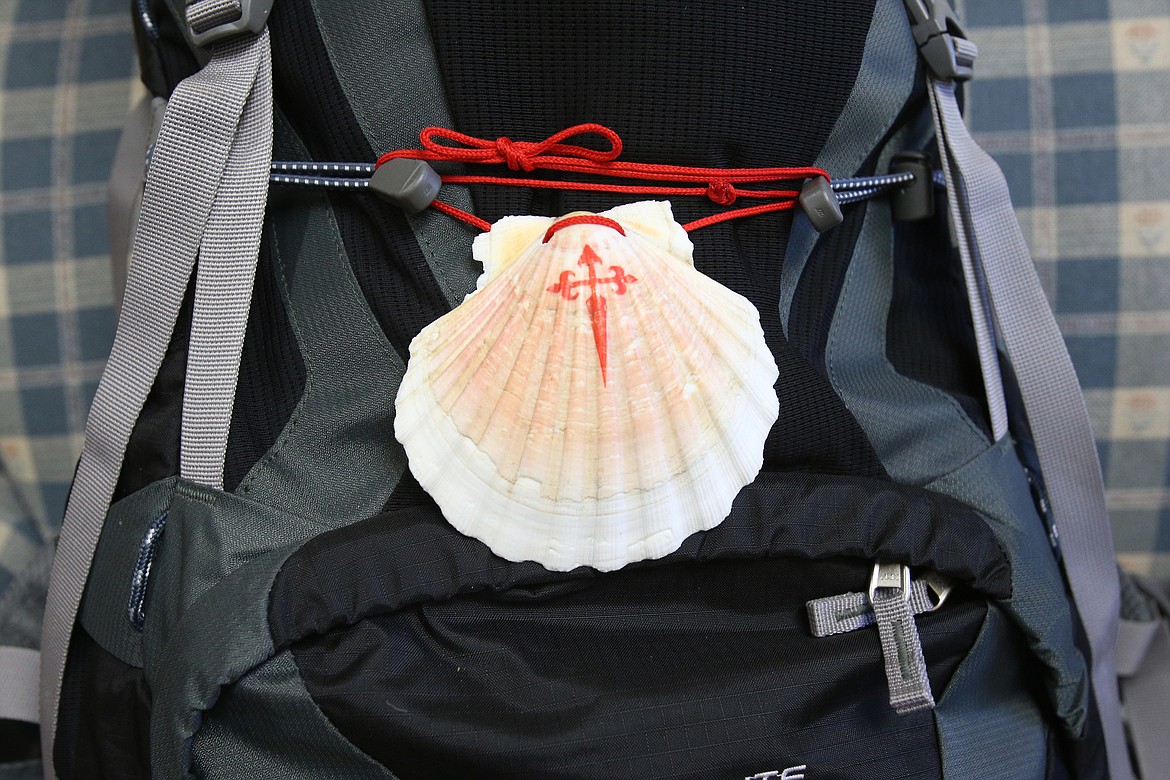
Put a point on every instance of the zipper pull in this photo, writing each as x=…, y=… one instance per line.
x=901, y=598
x=889, y=593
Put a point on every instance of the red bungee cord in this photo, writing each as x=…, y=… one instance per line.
x=716, y=184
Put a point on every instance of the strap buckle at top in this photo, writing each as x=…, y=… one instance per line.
x=944, y=46
x=212, y=21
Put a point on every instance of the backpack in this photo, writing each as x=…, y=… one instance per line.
x=250, y=580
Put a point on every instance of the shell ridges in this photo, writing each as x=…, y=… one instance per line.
x=595, y=401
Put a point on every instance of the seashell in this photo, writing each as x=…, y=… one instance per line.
x=596, y=400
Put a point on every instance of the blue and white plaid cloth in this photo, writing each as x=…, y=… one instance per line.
x=1071, y=96
x=66, y=70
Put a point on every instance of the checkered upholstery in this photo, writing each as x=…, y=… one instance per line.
x=67, y=80
x=1072, y=97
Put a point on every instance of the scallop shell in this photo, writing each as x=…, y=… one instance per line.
x=595, y=401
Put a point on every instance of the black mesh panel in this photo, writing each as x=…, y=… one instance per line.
x=153, y=451
x=272, y=376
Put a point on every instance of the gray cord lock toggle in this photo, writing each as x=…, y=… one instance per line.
x=412, y=185
x=819, y=203
x=914, y=201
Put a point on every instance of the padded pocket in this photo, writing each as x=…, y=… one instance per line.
x=440, y=660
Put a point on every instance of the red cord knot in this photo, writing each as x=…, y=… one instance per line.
x=722, y=192
x=513, y=155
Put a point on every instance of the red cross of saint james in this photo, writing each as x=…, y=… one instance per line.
x=567, y=286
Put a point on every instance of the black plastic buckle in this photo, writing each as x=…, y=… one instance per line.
x=253, y=16
x=937, y=32
x=914, y=201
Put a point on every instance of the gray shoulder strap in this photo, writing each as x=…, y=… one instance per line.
x=215, y=134
x=1009, y=290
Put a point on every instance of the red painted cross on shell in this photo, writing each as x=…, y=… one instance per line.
x=567, y=286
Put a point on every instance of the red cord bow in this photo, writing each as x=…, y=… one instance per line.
x=518, y=155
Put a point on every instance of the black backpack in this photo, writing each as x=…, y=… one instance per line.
x=251, y=582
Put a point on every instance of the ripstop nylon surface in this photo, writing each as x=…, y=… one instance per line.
x=198, y=133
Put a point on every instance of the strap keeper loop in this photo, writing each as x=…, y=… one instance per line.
x=213, y=21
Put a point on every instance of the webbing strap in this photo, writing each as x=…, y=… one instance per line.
x=223, y=289
x=208, y=127
x=20, y=668
x=902, y=655
x=1000, y=267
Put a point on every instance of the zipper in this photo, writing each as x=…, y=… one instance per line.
x=891, y=602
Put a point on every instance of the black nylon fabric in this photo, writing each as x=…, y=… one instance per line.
x=413, y=555
x=441, y=660
x=271, y=380
x=103, y=721
x=683, y=671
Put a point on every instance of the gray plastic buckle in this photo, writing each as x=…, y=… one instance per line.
x=936, y=29
x=412, y=185
x=914, y=201
x=252, y=18
x=820, y=204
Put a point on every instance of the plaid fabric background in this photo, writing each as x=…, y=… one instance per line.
x=1072, y=97
x=66, y=83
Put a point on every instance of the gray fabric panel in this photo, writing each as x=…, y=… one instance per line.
x=988, y=724
x=21, y=770
x=207, y=608
x=20, y=674
x=995, y=483
x=918, y=431
x=124, y=195
x=103, y=611
x=1134, y=639
x=22, y=605
x=337, y=458
x=209, y=536
x=267, y=725
x=883, y=84
x=395, y=90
